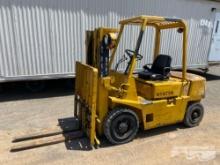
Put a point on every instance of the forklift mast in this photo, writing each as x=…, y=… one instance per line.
x=99, y=43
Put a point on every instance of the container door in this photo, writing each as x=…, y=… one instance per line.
x=214, y=54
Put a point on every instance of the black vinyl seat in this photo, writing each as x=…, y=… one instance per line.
x=159, y=70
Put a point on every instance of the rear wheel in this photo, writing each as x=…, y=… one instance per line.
x=121, y=125
x=194, y=115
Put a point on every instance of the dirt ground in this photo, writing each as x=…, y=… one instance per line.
x=22, y=112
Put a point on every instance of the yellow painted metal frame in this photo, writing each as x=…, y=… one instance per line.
x=167, y=100
x=97, y=38
x=159, y=23
x=86, y=99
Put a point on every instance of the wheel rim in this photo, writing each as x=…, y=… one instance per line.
x=195, y=116
x=123, y=127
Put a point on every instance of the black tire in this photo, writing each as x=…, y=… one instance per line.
x=121, y=125
x=193, y=115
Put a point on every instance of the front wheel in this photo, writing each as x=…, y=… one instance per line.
x=193, y=115
x=121, y=125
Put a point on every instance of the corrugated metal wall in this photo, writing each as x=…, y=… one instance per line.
x=44, y=38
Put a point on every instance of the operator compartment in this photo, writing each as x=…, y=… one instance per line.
x=151, y=89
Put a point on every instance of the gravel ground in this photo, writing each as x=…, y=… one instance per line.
x=22, y=112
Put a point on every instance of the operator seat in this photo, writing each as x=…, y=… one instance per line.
x=159, y=69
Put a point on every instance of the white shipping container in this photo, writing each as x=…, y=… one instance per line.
x=42, y=39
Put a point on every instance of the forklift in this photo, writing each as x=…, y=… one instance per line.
x=117, y=102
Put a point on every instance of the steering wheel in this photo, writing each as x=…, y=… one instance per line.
x=130, y=53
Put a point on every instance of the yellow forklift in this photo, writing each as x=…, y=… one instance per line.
x=117, y=102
